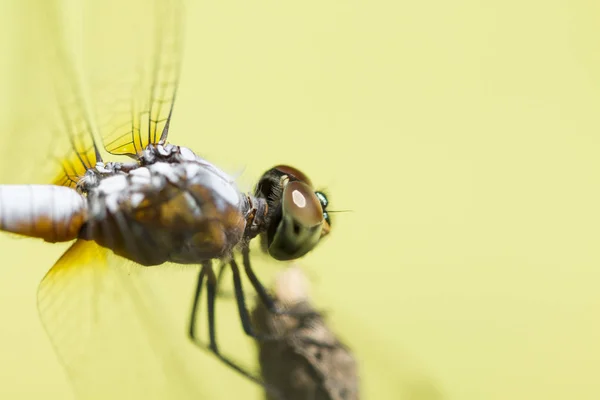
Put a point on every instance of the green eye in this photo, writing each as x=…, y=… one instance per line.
x=324, y=203
x=301, y=223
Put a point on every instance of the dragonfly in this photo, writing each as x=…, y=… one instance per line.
x=164, y=204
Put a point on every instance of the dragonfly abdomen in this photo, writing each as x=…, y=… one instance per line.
x=53, y=213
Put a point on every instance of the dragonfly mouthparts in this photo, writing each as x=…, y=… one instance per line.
x=256, y=210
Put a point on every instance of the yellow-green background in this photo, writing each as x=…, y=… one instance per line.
x=465, y=137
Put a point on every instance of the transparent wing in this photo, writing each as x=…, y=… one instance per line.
x=72, y=145
x=134, y=79
x=109, y=331
x=132, y=75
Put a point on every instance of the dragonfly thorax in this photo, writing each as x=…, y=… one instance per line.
x=173, y=206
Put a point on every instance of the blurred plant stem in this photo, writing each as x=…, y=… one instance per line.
x=309, y=362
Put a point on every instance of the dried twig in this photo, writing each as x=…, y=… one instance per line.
x=309, y=362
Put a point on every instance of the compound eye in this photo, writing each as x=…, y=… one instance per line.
x=270, y=186
x=293, y=173
x=326, y=224
x=302, y=205
x=322, y=199
x=301, y=224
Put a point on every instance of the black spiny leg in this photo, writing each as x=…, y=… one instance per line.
x=194, y=314
x=243, y=310
x=206, y=273
x=265, y=297
x=211, y=286
x=269, y=303
x=220, y=275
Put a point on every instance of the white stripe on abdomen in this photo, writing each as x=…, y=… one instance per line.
x=53, y=213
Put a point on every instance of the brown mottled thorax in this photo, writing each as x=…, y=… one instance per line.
x=174, y=206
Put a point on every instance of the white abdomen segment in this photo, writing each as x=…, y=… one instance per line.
x=53, y=213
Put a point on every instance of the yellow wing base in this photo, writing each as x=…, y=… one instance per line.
x=109, y=331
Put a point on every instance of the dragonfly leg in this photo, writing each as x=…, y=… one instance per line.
x=194, y=314
x=243, y=310
x=220, y=275
x=211, y=286
x=265, y=297
x=270, y=304
x=206, y=273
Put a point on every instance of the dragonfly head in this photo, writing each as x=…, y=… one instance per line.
x=297, y=217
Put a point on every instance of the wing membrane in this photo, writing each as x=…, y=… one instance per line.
x=100, y=315
x=133, y=80
x=134, y=110
x=109, y=333
x=74, y=147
